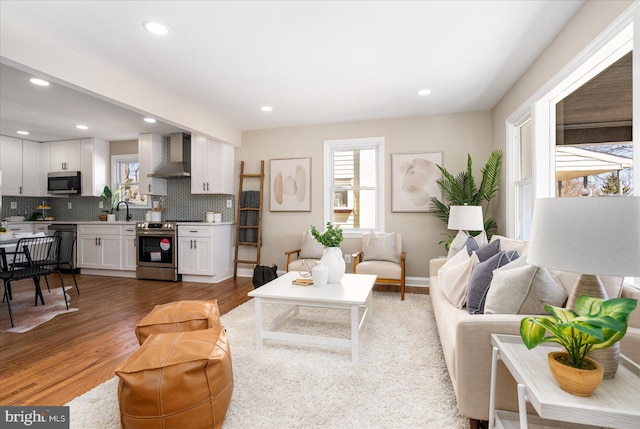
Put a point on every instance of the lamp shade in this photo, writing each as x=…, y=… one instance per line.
x=598, y=235
x=468, y=218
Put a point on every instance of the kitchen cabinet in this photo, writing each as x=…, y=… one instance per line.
x=20, y=166
x=212, y=166
x=152, y=154
x=20, y=228
x=94, y=166
x=88, y=156
x=66, y=155
x=129, y=248
x=99, y=246
x=204, y=252
x=195, y=250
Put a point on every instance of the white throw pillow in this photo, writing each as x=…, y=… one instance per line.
x=311, y=249
x=457, y=243
x=454, y=275
x=381, y=247
x=507, y=244
x=521, y=288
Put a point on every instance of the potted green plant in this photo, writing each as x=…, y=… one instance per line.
x=109, y=200
x=332, y=256
x=595, y=324
x=332, y=237
x=461, y=189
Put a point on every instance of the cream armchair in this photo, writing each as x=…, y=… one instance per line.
x=382, y=255
x=310, y=250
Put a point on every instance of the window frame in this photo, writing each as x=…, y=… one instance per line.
x=115, y=159
x=331, y=146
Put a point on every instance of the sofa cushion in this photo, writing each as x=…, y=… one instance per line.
x=488, y=251
x=521, y=288
x=480, y=280
x=453, y=277
x=311, y=248
x=381, y=247
x=457, y=243
x=511, y=244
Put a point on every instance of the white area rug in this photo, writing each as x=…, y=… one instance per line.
x=401, y=380
x=26, y=315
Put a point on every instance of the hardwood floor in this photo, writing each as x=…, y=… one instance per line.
x=74, y=352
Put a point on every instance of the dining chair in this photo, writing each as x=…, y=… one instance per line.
x=66, y=252
x=32, y=259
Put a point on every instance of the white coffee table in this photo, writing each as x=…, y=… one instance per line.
x=353, y=292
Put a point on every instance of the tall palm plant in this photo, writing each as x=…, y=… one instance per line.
x=461, y=189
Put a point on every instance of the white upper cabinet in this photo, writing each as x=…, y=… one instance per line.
x=94, y=166
x=152, y=154
x=212, y=166
x=66, y=155
x=20, y=166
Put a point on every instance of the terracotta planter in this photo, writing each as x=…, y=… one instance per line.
x=103, y=218
x=579, y=382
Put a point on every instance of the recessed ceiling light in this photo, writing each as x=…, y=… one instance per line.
x=24, y=133
x=39, y=82
x=150, y=120
x=424, y=92
x=82, y=127
x=156, y=28
x=267, y=108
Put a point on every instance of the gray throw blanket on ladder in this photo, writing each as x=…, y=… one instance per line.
x=249, y=199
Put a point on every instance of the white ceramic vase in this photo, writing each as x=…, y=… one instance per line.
x=111, y=218
x=333, y=260
x=320, y=274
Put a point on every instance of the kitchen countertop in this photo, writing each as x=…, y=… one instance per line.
x=118, y=222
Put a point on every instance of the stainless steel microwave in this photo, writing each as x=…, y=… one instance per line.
x=64, y=182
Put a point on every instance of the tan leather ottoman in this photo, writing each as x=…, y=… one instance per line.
x=177, y=380
x=179, y=316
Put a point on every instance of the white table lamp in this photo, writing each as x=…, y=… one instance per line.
x=466, y=218
x=591, y=236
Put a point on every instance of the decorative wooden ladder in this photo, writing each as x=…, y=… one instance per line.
x=244, y=212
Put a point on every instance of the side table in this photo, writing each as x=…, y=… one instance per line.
x=613, y=405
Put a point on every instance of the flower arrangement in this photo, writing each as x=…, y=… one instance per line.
x=332, y=237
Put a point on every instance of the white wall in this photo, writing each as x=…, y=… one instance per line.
x=453, y=134
x=584, y=27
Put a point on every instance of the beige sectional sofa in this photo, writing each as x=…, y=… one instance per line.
x=467, y=348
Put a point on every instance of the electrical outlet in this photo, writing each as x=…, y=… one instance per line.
x=69, y=205
x=155, y=204
x=347, y=258
x=229, y=203
x=101, y=205
x=14, y=205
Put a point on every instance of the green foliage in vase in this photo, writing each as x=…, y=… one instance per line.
x=332, y=237
x=110, y=199
x=461, y=189
x=595, y=324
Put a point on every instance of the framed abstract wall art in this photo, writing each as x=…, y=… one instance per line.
x=290, y=185
x=413, y=181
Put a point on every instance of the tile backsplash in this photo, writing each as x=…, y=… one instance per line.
x=180, y=204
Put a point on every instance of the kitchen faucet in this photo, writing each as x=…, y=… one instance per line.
x=127, y=216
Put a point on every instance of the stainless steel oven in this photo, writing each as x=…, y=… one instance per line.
x=157, y=255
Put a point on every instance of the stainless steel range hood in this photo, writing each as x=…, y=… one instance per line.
x=179, y=157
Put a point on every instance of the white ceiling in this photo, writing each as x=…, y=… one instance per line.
x=314, y=62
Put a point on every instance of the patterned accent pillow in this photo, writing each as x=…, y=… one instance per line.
x=481, y=277
x=381, y=247
x=311, y=249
